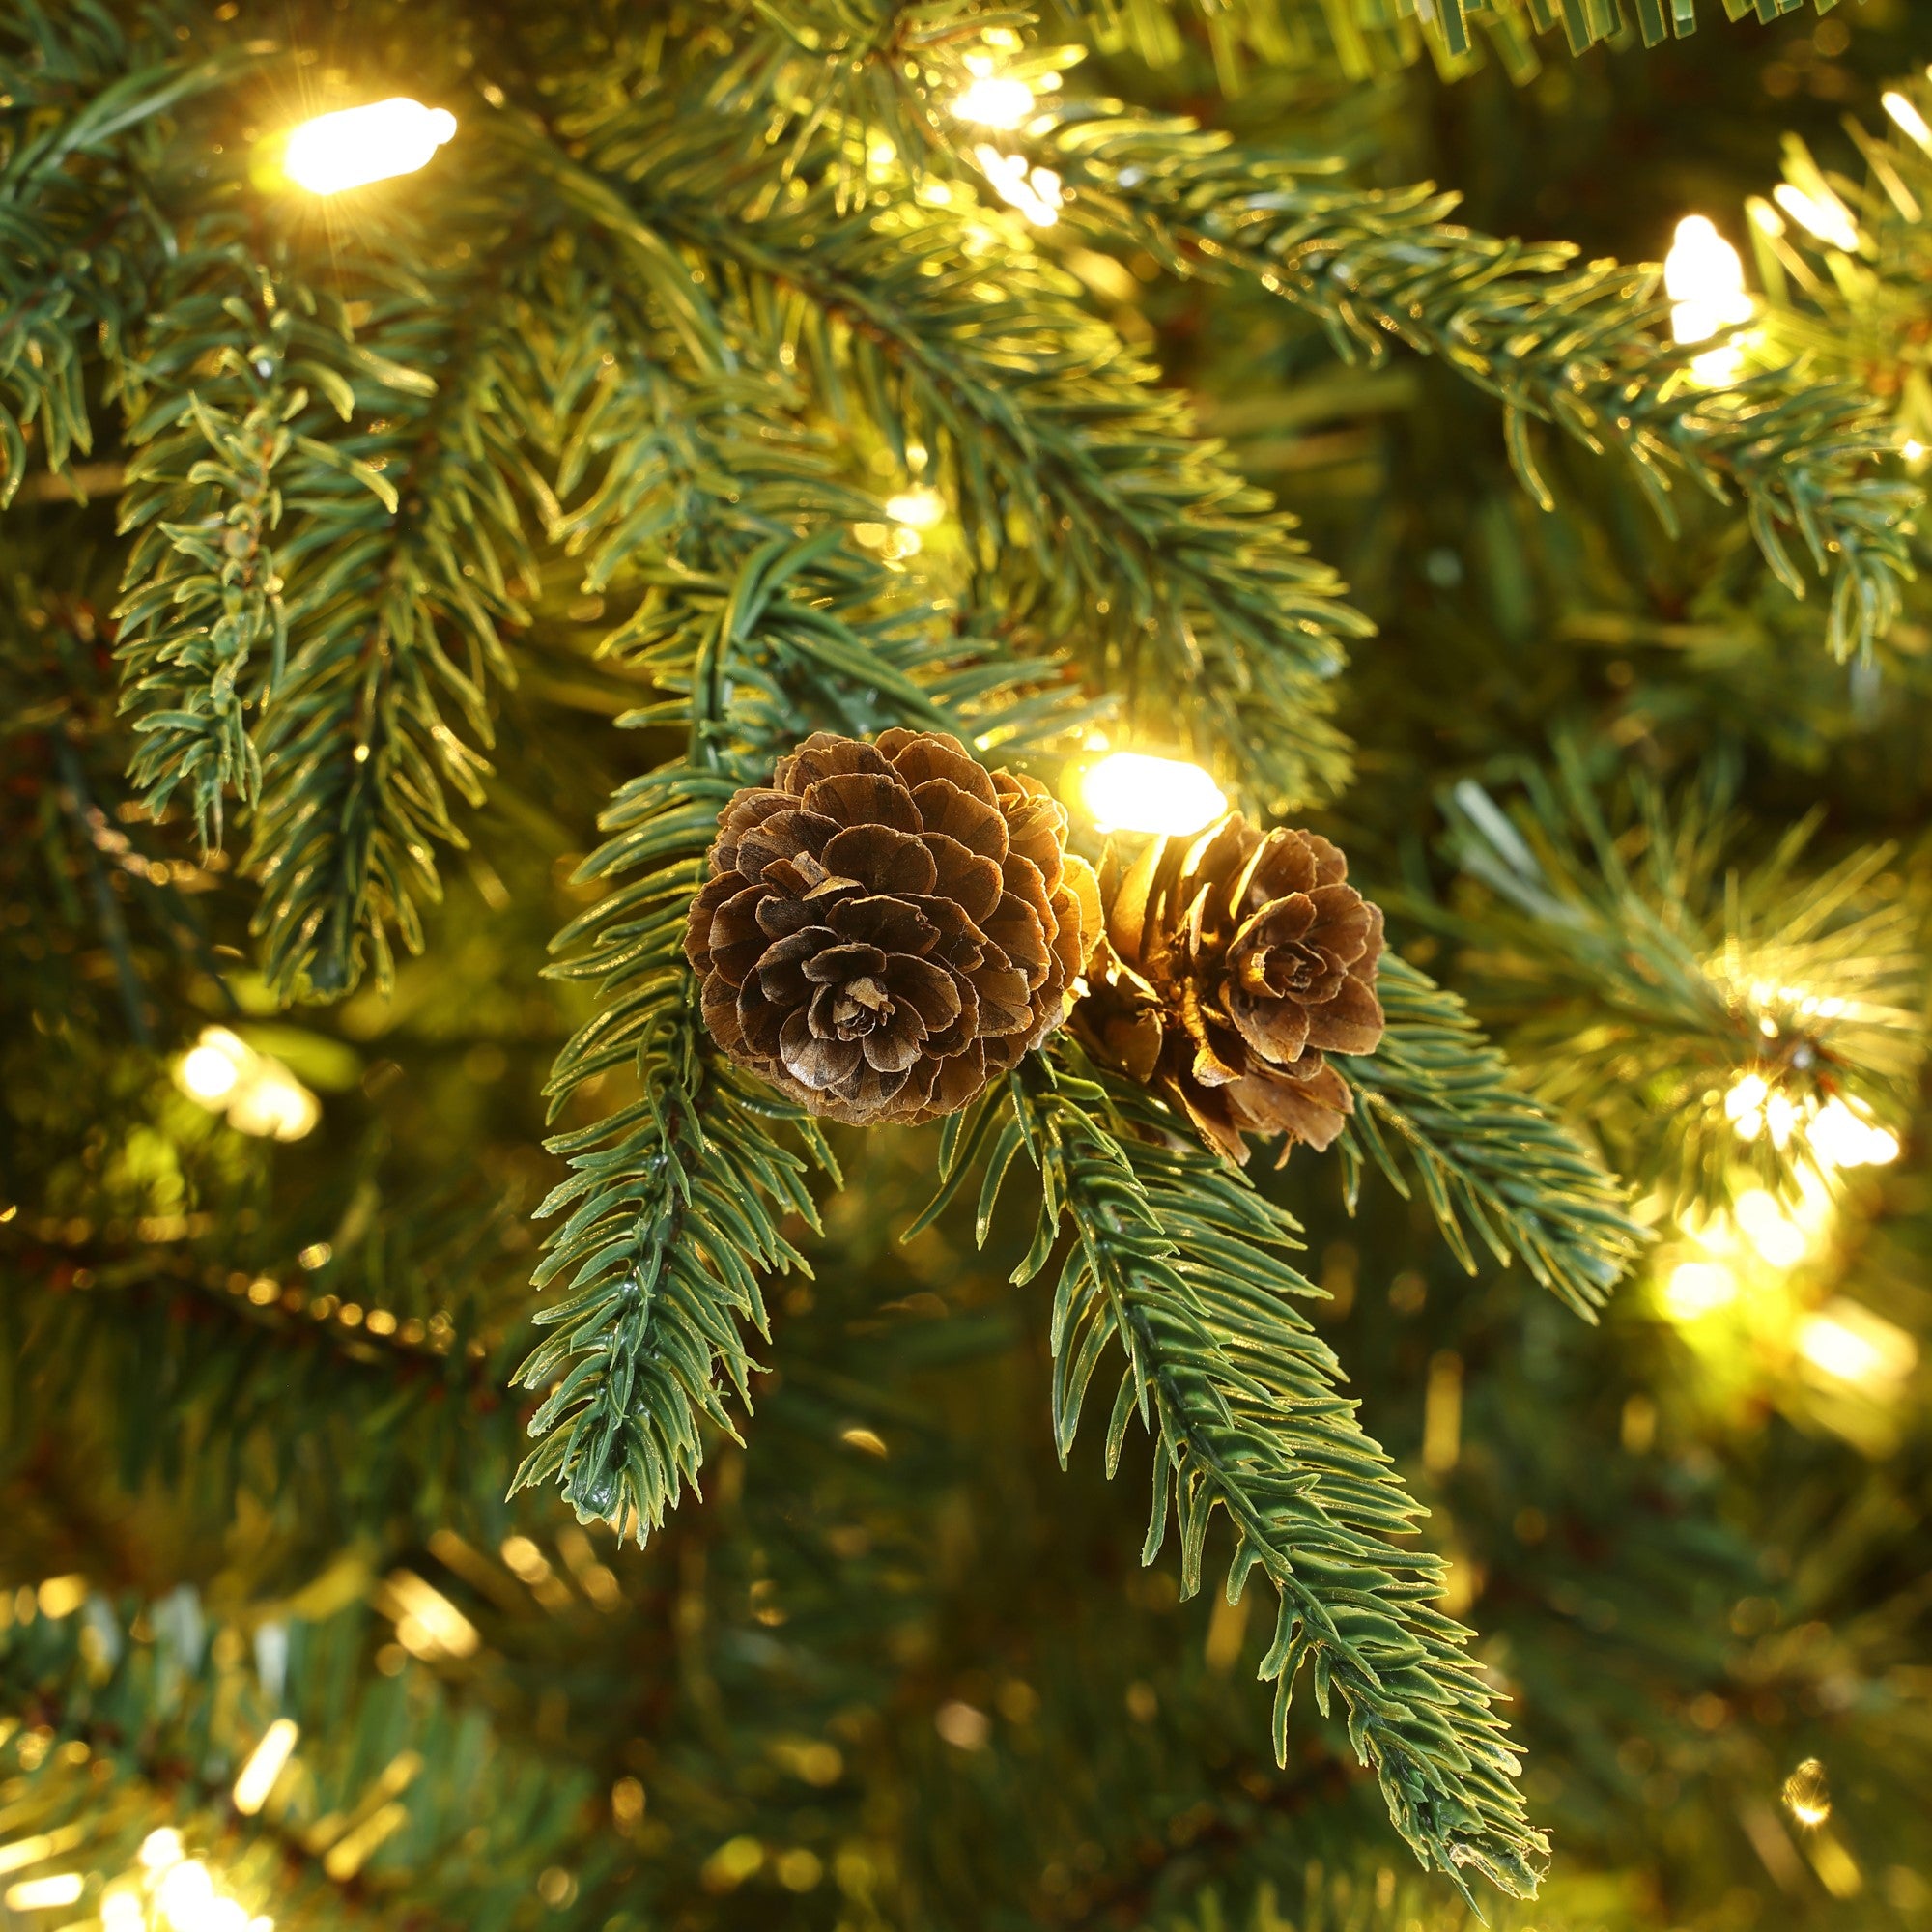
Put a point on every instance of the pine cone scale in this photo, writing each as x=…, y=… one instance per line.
x=888, y=926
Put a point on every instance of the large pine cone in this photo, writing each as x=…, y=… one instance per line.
x=1234, y=961
x=889, y=926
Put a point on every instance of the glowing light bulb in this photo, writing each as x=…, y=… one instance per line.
x=1838, y=1136
x=1704, y=277
x=1034, y=191
x=186, y=1897
x=121, y=1912
x=360, y=145
x=1824, y=215
x=1744, y=1106
x=1907, y=120
x=162, y=1849
x=1131, y=791
x=994, y=101
x=213, y=1066
x=919, y=508
x=1807, y=1795
x=274, y=1105
x=35, y=1894
x=1698, y=1287
x=264, y=1765
x=1852, y=1345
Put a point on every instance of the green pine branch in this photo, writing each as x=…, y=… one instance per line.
x=406, y=537
x=80, y=139
x=231, y=1374
x=1438, y=1099
x=202, y=593
x=402, y=1803
x=1583, y=348
x=1646, y=962
x=1362, y=39
x=1176, y=1260
x=693, y=494
x=1112, y=530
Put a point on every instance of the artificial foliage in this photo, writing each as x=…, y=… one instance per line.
x=1235, y=963
x=629, y=1295
x=889, y=926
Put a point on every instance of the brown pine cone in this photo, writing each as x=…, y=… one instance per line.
x=1234, y=961
x=889, y=926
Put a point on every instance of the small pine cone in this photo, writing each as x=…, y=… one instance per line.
x=889, y=926
x=1234, y=961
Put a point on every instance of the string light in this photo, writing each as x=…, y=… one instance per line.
x=1836, y=1133
x=1907, y=120
x=186, y=1897
x=1839, y=1137
x=918, y=508
x=1850, y=1344
x=991, y=99
x=1823, y=214
x=162, y=1849
x=360, y=145
x=256, y=1091
x=1807, y=1795
x=1133, y=791
x=264, y=1765
x=36, y=1895
x=1704, y=277
x=1696, y=1289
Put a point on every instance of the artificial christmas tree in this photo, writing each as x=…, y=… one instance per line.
x=578, y=586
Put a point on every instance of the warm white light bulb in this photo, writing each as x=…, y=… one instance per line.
x=360, y=145
x=36, y=1895
x=1698, y=1288
x=1824, y=215
x=1131, y=791
x=121, y=1912
x=1842, y=1136
x=995, y=100
x=186, y=1896
x=162, y=1849
x=1907, y=120
x=274, y=1105
x=213, y=1066
x=1851, y=1344
x=1704, y=277
x=918, y=508
x=264, y=1765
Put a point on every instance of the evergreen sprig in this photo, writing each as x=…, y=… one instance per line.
x=203, y=594
x=756, y=635
x=1176, y=1260
x=1647, y=962
x=1584, y=348
x=1437, y=1097
x=398, y=1789
x=1361, y=39
x=81, y=102
x=1100, y=522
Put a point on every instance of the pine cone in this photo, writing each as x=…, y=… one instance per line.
x=889, y=926
x=1234, y=961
